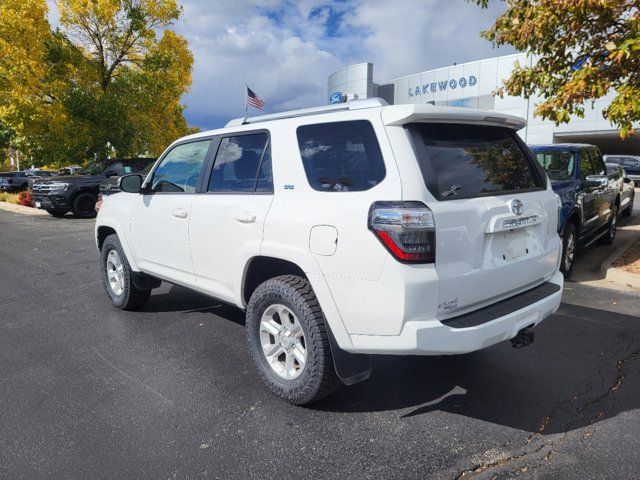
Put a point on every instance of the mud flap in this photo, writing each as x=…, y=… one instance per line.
x=351, y=368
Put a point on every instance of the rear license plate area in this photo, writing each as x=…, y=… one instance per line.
x=514, y=244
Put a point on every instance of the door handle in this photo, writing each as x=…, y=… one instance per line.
x=180, y=212
x=245, y=217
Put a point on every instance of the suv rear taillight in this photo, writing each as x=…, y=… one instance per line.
x=407, y=229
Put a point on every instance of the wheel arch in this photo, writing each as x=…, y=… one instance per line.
x=108, y=227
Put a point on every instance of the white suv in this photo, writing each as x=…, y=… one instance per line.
x=359, y=228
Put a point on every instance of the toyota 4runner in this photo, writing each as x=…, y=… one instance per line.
x=345, y=231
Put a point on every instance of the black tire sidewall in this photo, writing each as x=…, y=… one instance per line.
x=92, y=213
x=569, y=228
x=112, y=243
x=57, y=213
x=307, y=386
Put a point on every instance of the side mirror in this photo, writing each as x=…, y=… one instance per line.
x=596, y=181
x=131, y=183
x=626, y=180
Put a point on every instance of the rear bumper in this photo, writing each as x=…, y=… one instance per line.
x=498, y=322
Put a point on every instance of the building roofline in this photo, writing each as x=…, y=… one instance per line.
x=450, y=66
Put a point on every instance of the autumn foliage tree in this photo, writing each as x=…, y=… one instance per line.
x=107, y=82
x=583, y=48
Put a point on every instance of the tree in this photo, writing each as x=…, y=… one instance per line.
x=583, y=48
x=109, y=82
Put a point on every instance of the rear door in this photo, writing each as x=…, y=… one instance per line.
x=605, y=194
x=227, y=218
x=495, y=221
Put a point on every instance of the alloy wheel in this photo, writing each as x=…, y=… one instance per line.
x=115, y=273
x=283, y=342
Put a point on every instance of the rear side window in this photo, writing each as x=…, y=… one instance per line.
x=466, y=161
x=242, y=164
x=557, y=164
x=341, y=156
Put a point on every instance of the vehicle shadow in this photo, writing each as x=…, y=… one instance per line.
x=571, y=377
x=566, y=380
x=176, y=299
x=588, y=266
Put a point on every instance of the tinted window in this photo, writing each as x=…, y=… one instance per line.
x=558, y=165
x=464, y=161
x=631, y=162
x=586, y=167
x=614, y=159
x=242, y=164
x=341, y=156
x=598, y=162
x=180, y=169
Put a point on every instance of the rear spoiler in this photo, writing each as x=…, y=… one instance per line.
x=396, y=115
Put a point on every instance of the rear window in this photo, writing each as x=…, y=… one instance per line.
x=341, y=156
x=466, y=161
x=557, y=164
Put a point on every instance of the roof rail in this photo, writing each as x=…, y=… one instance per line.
x=303, y=112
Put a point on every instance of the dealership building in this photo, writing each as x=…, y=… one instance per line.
x=471, y=85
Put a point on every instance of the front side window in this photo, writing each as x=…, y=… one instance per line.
x=341, y=156
x=467, y=161
x=598, y=163
x=242, y=164
x=557, y=164
x=179, y=170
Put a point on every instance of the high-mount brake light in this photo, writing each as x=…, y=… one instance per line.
x=406, y=229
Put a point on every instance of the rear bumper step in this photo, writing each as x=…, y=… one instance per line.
x=502, y=308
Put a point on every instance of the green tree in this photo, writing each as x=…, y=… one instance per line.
x=584, y=49
x=109, y=82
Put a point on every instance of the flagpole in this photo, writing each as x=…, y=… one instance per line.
x=246, y=105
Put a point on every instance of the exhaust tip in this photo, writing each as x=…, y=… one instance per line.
x=523, y=338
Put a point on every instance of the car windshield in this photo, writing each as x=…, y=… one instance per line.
x=557, y=164
x=93, y=169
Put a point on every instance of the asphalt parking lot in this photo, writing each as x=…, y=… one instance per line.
x=87, y=391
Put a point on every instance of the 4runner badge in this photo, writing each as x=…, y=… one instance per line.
x=516, y=206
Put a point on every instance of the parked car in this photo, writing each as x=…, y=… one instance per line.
x=630, y=163
x=344, y=231
x=79, y=192
x=111, y=185
x=625, y=185
x=589, y=202
x=14, y=181
x=70, y=170
x=37, y=175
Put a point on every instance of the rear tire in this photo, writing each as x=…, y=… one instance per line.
x=84, y=205
x=629, y=210
x=116, y=276
x=284, y=319
x=57, y=213
x=569, y=248
x=610, y=237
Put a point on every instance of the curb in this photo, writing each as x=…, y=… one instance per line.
x=12, y=207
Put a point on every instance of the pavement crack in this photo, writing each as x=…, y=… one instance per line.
x=530, y=456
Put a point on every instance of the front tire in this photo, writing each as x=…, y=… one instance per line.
x=288, y=341
x=610, y=237
x=57, y=213
x=629, y=210
x=84, y=205
x=116, y=277
x=569, y=248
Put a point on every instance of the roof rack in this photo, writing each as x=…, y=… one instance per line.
x=352, y=105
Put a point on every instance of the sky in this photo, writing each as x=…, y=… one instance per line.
x=285, y=50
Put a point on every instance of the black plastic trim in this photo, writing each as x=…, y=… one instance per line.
x=503, y=307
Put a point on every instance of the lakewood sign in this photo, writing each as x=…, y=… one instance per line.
x=442, y=85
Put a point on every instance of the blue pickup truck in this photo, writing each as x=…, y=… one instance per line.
x=590, y=202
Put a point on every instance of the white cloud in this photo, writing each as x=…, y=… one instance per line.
x=285, y=50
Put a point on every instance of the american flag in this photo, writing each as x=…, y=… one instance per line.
x=254, y=100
